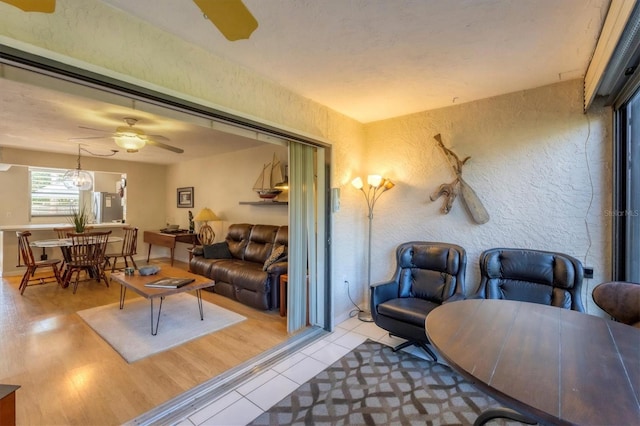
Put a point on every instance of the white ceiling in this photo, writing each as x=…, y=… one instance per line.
x=41, y=119
x=376, y=59
x=368, y=59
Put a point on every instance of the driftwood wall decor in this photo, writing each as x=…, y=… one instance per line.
x=458, y=186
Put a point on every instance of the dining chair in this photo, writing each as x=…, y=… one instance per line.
x=128, y=250
x=25, y=253
x=62, y=232
x=86, y=253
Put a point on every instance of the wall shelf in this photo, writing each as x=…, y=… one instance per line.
x=264, y=203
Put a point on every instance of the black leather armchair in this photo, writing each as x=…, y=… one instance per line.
x=427, y=275
x=536, y=276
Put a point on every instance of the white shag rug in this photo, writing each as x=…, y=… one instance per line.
x=128, y=330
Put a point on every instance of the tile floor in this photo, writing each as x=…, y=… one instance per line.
x=256, y=395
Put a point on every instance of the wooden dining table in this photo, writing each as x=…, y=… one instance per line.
x=551, y=365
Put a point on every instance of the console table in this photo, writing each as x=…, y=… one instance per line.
x=168, y=240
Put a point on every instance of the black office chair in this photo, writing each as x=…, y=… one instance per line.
x=525, y=275
x=427, y=275
x=619, y=299
x=536, y=276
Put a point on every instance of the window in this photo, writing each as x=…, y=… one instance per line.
x=626, y=212
x=49, y=195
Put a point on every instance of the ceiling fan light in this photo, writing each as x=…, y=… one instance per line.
x=130, y=132
x=129, y=142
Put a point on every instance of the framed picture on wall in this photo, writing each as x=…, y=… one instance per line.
x=185, y=197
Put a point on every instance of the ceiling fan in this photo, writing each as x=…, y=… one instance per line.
x=231, y=17
x=132, y=138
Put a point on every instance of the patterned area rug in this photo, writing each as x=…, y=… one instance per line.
x=372, y=385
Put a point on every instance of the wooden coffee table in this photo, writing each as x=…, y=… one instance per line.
x=137, y=283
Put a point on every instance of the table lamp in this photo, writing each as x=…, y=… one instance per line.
x=206, y=234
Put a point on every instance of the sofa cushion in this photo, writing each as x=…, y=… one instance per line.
x=275, y=255
x=217, y=251
x=260, y=243
x=223, y=269
x=407, y=309
x=250, y=277
x=238, y=238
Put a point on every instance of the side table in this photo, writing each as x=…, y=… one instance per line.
x=284, y=281
x=8, y=404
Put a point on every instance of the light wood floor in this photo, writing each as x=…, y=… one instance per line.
x=69, y=375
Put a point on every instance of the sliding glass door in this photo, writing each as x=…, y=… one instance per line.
x=308, y=166
x=307, y=215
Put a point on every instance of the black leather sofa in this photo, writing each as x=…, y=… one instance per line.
x=238, y=264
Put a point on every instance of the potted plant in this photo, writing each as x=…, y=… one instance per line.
x=79, y=219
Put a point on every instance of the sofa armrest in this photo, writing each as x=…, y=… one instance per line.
x=275, y=271
x=196, y=251
x=278, y=268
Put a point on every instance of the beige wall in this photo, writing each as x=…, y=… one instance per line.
x=529, y=163
x=220, y=182
x=146, y=191
x=145, y=185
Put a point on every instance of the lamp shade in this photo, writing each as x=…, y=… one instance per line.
x=130, y=140
x=374, y=180
x=357, y=183
x=78, y=179
x=206, y=215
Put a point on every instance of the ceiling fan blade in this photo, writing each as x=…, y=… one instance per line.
x=91, y=128
x=231, y=17
x=155, y=143
x=44, y=6
x=160, y=138
x=88, y=138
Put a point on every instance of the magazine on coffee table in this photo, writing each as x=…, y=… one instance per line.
x=170, y=282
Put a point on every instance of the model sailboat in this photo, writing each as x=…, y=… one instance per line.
x=271, y=175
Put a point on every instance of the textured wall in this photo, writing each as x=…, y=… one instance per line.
x=540, y=166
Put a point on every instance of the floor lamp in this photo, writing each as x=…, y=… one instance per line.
x=376, y=186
